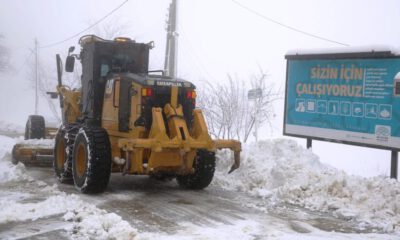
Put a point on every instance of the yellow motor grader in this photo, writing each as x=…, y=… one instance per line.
x=127, y=119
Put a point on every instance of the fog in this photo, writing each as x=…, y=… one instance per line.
x=216, y=38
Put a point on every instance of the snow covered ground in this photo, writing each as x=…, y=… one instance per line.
x=86, y=220
x=282, y=171
x=272, y=173
x=10, y=128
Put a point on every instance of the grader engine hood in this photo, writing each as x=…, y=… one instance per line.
x=150, y=91
x=157, y=80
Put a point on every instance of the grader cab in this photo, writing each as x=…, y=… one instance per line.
x=128, y=119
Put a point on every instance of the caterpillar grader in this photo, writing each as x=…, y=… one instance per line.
x=127, y=119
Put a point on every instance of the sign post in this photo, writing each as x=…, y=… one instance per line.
x=254, y=94
x=394, y=165
x=309, y=143
x=351, y=98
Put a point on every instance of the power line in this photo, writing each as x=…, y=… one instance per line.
x=287, y=26
x=195, y=56
x=18, y=70
x=84, y=30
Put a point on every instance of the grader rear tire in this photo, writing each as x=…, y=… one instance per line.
x=35, y=127
x=204, y=168
x=91, y=165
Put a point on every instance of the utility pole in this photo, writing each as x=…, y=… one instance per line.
x=36, y=77
x=171, y=50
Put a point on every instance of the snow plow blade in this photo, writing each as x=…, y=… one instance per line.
x=32, y=155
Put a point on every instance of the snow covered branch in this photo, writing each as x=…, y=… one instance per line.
x=228, y=111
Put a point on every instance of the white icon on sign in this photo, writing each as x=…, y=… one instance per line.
x=358, y=109
x=371, y=110
x=300, y=107
x=345, y=108
x=385, y=111
x=382, y=133
x=333, y=107
x=311, y=105
x=322, y=106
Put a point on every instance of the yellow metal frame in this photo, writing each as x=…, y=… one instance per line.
x=176, y=149
x=71, y=99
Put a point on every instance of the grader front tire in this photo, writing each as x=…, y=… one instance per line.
x=91, y=165
x=204, y=168
x=63, y=154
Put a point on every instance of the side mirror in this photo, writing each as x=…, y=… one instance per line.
x=53, y=95
x=151, y=45
x=69, y=64
x=71, y=49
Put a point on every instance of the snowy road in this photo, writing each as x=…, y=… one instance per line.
x=163, y=210
x=33, y=205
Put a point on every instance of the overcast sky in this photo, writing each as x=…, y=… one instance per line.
x=216, y=38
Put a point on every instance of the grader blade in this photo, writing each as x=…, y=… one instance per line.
x=33, y=155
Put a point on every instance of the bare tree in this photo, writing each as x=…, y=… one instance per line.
x=46, y=83
x=112, y=28
x=4, y=56
x=229, y=113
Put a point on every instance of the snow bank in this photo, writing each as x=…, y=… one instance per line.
x=88, y=221
x=281, y=170
x=7, y=127
x=99, y=225
x=6, y=144
x=36, y=142
x=93, y=223
x=8, y=171
x=11, y=211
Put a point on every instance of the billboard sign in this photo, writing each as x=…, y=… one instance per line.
x=349, y=98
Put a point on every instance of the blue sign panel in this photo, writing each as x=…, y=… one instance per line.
x=350, y=100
